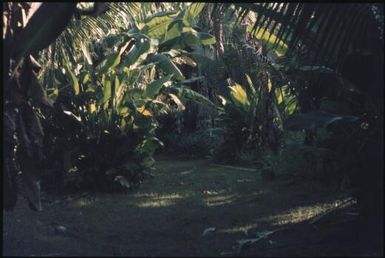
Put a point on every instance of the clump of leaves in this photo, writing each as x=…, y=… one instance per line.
x=252, y=119
x=106, y=113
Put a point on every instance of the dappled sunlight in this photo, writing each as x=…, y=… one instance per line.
x=160, y=196
x=239, y=229
x=155, y=204
x=193, y=129
x=154, y=200
x=218, y=200
x=300, y=214
x=186, y=172
x=83, y=202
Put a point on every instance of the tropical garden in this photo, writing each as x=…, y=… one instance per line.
x=193, y=129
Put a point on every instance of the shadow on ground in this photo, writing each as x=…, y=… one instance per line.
x=168, y=214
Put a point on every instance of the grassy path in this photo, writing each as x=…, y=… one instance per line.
x=166, y=216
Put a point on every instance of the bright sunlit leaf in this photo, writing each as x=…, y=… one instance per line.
x=144, y=111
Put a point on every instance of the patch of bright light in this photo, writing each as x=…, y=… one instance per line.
x=239, y=229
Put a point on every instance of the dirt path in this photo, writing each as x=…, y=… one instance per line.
x=167, y=215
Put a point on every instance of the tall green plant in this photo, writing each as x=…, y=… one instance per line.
x=252, y=117
x=116, y=101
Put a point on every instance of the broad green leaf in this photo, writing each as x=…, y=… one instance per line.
x=117, y=85
x=185, y=60
x=157, y=24
x=269, y=84
x=174, y=30
x=187, y=93
x=85, y=77
x=124, y=112
x=187, y=29
x=154, y=87
x=141, y=46
x=190, y=38
x=177, y=101
x=192, y=12
x=133, y=93
x=279, y=95
x=107, y=87
x=112, y=61
x=109, y=63
x=73, y=80
x=239, y=95
x=206, y=39
x=144, y=111
x=167, y=66
x=194, y=37
x=92, y=107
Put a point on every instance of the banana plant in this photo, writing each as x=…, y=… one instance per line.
x=252, y=115
x=120, y=98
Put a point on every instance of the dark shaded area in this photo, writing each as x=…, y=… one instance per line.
x=168, y=214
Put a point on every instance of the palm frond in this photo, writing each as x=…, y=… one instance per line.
x=87, y=28
x=324, y=30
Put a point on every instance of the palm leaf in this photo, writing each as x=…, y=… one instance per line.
x=324, y=29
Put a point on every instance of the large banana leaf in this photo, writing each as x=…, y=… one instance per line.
x=192, y=12
x=239, y=96
x=153, y=88
x=167, y=66
x=112, y=61
x=157, y=24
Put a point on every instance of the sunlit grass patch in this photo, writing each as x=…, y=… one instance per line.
x=186, y=172
x=83, y=202
x=239, y=229
x=155, y=204
x=160, y=196
x=218, y=200
x=153, y=200
x=301, y=213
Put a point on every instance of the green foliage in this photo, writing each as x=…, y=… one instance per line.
x=114, y=104
x=322, y=28
x=252, y=120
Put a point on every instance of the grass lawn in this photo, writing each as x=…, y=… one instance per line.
x=167, y=215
